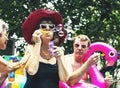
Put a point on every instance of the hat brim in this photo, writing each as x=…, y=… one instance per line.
x=29, y=25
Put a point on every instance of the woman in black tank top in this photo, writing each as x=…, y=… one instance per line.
x=47, y=76
x=41, y=55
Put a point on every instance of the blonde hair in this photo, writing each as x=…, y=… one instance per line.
x=3, y=25
x=83, y=37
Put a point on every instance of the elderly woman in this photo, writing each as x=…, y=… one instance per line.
x=5, y=66
x=39, y=29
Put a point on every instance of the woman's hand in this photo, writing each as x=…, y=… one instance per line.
x=58, y=52
x=12, y=66
x=36, y=36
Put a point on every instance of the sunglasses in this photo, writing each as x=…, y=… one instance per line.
x=82, y=46
x=44, y=26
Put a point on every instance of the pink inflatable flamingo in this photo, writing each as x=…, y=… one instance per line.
x=111, y=53
x=111, y=56
x=97, y=79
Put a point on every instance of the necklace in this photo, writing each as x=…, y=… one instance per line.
x=46, y=55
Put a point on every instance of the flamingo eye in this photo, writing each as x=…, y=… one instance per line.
x=111, y=53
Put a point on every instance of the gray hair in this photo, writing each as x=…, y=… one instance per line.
x=3, y=25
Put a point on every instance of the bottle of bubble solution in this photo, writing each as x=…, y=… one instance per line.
x=51, y=44
x=11, y=75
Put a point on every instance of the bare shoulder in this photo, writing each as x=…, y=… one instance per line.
x=69, y=57
x=29, y=48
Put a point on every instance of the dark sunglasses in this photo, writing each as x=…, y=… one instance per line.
x=83, y=46
x=44, y=26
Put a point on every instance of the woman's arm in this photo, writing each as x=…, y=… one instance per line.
x=3, y=65
x=33, y=58
x=6, y=66
x=3, y=62
x=64, y=69
x=33, y=61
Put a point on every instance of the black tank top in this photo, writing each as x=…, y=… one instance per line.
x=46, y=77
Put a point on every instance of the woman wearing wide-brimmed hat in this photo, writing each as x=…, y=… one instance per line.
x=44, y=66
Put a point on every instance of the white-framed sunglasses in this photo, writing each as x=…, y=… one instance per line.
x=44, y=26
